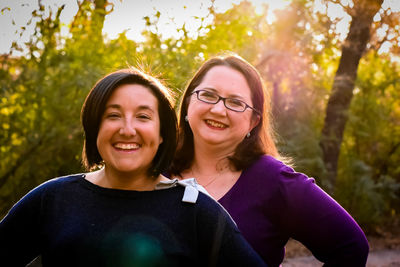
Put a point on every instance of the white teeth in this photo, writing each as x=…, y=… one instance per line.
x=215, y=124
x=127, y=146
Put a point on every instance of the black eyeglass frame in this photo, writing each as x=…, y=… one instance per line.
x=246, y=106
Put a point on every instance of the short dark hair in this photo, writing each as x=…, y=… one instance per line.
x=250, y=149
x=94, y=107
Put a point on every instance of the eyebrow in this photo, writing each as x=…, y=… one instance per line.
x=229, y=96
x=116, y=106
x=141, y=107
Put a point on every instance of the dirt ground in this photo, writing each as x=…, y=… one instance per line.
x=384, y=252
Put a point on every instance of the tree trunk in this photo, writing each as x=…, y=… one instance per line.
x=342, y=90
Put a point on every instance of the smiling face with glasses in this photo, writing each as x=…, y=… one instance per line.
x=217, y=109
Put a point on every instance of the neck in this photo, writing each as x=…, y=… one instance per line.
x=109, y=178
x=213, y=172
x=208, y=167
x=210, y=162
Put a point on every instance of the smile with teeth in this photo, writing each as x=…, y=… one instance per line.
x=216, y=124
x=125, y=146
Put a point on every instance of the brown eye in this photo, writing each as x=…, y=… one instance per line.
x=113, y=115
x=208, y=96
x=235, y=103
x=143, y=116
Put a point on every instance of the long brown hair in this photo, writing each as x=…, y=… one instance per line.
x=261, y=140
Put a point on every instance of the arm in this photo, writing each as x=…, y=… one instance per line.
x=320, y=223
x=220, y=240
x=19, y=231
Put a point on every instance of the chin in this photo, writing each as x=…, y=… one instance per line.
x=125, y=168
x=214, y=141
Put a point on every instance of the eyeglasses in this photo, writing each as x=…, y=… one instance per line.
x=230, y=103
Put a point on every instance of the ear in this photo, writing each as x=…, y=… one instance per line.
x=255, y=120
x=161, y=140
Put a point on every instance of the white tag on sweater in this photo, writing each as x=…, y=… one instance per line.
x=190, y=194
x=192, y=188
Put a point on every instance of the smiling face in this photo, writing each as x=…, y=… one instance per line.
x=129, y=133
x=214, y=124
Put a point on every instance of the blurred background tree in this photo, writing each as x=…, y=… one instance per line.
x=301, y=56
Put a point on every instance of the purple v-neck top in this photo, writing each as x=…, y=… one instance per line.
x=271, y=203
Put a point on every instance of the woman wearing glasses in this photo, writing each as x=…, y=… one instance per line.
x=226, y=143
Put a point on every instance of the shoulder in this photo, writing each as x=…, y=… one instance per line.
x=193, y=193
x=194, y=198
x=273, y=170
x=211, y=208
x=266, y=166
x=33, y=201
x=274, y=181
x=60, y=181
x=274, y=174
x=207, y=202
x=270, y=164
x=53, y=185
x=212, y=217
x=188, y=191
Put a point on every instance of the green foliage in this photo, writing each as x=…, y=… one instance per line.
x=42, y=93
x=41, y=98
x=370, y=201
x=369, y=174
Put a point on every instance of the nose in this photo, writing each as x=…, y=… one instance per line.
x=219, y=108
x=128, y=128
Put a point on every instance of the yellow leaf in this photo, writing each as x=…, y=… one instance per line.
x=15, y=140
x=5, y=111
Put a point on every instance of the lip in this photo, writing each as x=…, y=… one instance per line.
x=216, y=125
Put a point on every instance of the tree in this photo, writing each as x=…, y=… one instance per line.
x=42, y=93
x=342, y=89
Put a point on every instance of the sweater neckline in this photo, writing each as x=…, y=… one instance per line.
x=112, y=191
x=191, y=192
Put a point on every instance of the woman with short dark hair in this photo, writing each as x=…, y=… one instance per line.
x=123, y=212
x=95, y=105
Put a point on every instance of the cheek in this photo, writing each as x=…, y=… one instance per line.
x=106, y=130
x=103, y=129
x=99, y=136
x=151, y=133
x=244, y=121
x=194, y=110
x=157, y=139
x=100, y=141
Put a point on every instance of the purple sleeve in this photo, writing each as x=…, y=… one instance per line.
x=320, y=223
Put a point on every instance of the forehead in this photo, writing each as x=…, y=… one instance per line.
x=226, y=80
x=133, y=95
